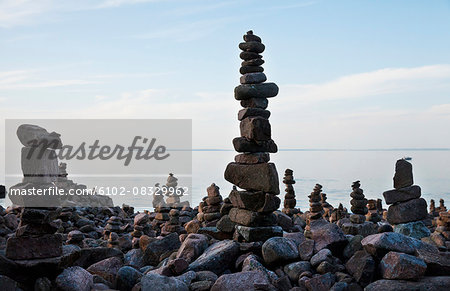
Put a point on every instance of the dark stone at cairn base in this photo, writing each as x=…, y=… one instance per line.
x=250, y=69
x=409, y=211
x=256, y=177
x=403, y=174
x=2, y=191
x=252, y=46
x=263, y=90
x=253, y=78
x=251, y=234
x=243, y=145
x=256, y=128
x=402, y=194
x=255, y=103
x=27, y=247
x=253, y=158
x=255, y=201
x=250, y=218
x=246, y=112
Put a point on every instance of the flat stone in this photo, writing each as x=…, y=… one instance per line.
x=32, y=135
x=247, y=112
x=250, y=69
x=362, y=267
x=306, y=250
x=243, y=145
x=107, y=268
x=252, y=158
x=242, y=281
x=321, y=283
x=251, y=234
x=255, y=103
x=256, y=128
x=256, y=177
x=324, y=255
x=327, y=235
x=402, y=194
x=253, y=62
x=217, y=257
x=134, y=258
x=27, y=247
x=247, y=56
x=39, y=166
x=409, y=211
x=253, y=78
x=438, y=263
x=250, y=218
x=89, y=256
x=263, y=90
x=279, y=249
x=252, y=46
x=255, y=201
x=294, y=270
x=160, y=247
x=403, y=174
x=398, y=266
x=225, y=224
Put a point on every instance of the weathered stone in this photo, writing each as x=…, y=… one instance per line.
x=74, y=279
x=160, y=247
x=153, y=282
x=32, y=135
x=255, y=201
x=249, y=56
x=327, y=235
x=253, y=62
x=279, y=249
x=402, y=194
x=252, y=46
x=306, y=250
x=249, y=36
x=263, y=90
x=225, y=224
x=284, y=221
x=354, y=245
x=403, y=174
x=127, y=277
x=192, y=247
x=438, y=263
x=28, y=247
x=242, y=144
x=252, y=263
x=362, y=267
x=427, y=283
x=251, y=112
x=8, y=284
x=252, y=234
x=261, y=103
x=400, y=266
x=321, y=256
x=257, y=177
x=252, y=158
x=201, y=286
x=253, y=78
x=414, y=229
x=294, y=270
x=134, y=258
x=241, y=281
x=107, y=269
x=206, y=276
x=250, y=69
x=412, y=210
x=217, y=257
x=255, y=128
x=250, y=218
x=321, y=283
x=89, y=256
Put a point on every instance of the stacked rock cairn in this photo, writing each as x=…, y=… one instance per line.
x=338, y=213
x=140, y=227
x=161, y=214
x=442, y=205
x=372, y=215
x=406, y=206
x=252, y=209
x=209, y=208
x=315, y=208
x=289, y=198
x=441, y=234
x=327, y=207
x=36, y=237
x=173, y=224
x=433, y=211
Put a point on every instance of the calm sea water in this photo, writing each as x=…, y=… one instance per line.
x=334, y=170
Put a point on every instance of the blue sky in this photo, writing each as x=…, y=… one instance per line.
x=352, y=74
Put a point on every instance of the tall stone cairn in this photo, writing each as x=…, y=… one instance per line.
x=289, y=197
x=358, y=202
x=315, y=208
x=405, y=202
x=251, y=171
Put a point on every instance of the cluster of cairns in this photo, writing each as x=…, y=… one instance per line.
x=289, y=198
x=315, y=208
x=327, y=207
x=338, y=213
x=253, y=208
x=407, y=211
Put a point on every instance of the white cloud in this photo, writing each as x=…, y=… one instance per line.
x=384, y=81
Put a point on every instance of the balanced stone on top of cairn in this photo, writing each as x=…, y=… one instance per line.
x=289, y=198
x=407, y=210
x=209, y=208
x=315, y=208
x=251, y=170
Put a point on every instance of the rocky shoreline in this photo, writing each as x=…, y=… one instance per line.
x=240, y=242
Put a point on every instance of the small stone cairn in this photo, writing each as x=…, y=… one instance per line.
x=407, y=210
x=289, y=198
x=315, y=208
x=372, y=215
x=209, y=208
x=327, y=207
x=253, y=208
